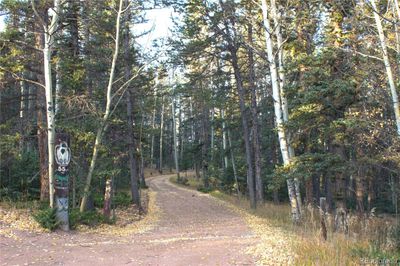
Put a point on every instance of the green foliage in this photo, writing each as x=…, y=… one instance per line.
x=205, y=189
x=89, y=218
x=309, y=164
x=47, y=218
x=122, y=199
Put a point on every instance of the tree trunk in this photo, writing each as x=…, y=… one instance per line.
x=389, y=74
x=254, y=114
x=233, y=164
x=160, y=165
x=224, y=146
x=153, y=121
x=276, y=95
x=212, y=134
x=40, y=120
x=175, y=139
x=133, y=163
x=246, y=133
x=103, y=123
x=107, y=198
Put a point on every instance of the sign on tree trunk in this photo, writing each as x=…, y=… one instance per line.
x=62, y=157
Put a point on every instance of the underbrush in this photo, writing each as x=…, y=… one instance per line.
x=34, y=215
x=369, y=240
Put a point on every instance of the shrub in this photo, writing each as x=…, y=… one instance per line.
x=205, y=189
x=90, y=218
x=47, y=218
x=122, y=199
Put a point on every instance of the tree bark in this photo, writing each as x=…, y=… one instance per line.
x=276, y=95
x=133, y=163
x=107, y=198
x=224, y=146
x=389, y=73
x=254, y=114
x=246, y=133
x=175, y=139
x=160, y=165
x=103, y=123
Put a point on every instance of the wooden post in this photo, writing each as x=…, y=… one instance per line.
x=62, y=156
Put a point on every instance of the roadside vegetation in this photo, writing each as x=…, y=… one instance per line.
x=372, y=242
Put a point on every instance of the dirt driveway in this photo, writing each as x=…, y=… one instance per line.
x=193, y=229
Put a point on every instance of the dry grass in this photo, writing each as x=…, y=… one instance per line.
x=306, y=244
x=20, y=218
x=129, y=220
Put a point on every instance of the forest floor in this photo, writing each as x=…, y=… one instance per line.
x=186, y=227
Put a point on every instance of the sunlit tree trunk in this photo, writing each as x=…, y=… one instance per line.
x=389, y=73
x=276, y=95
x=49, y=31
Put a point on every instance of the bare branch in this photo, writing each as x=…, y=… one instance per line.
x=362, y=54
x=17, y=77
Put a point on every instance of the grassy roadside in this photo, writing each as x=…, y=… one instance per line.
x=306, y=247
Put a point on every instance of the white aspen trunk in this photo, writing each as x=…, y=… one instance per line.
x=175, y=138
x=58, y=89
x=281, y=72
x=48, y=44
x=276, y=95
x=22, y=107
x=396, y=9
x=50, y=118
x=22, y=99
x=389, y=73
x=161, y=134
x=103, y=124
x=284, y=103
x=224, y=139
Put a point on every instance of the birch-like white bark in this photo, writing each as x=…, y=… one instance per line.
x=49, y=31
x=276, y=95
x=389, y=73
